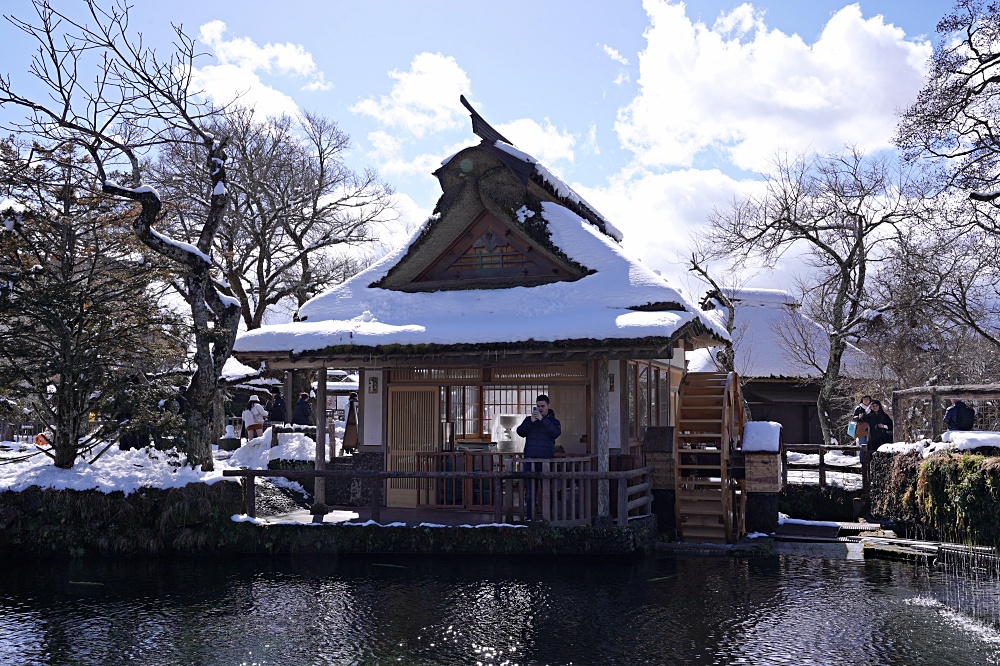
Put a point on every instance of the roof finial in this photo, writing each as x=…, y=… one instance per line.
x=480, y=127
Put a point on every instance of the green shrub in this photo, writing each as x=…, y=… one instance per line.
x=953, y=496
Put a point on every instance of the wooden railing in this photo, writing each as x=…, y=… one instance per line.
x=558, y=501
x=860, y=468
x=558, y=490
x=470, y=494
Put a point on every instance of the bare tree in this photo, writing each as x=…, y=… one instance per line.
x=726, y=358
x=291, y=193
x=844, y=212
x=109, y=93
x=953, y=123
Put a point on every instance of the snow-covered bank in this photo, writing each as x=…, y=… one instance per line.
x=129, y=471
x=951, y=440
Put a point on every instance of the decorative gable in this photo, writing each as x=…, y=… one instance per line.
x=490, y=253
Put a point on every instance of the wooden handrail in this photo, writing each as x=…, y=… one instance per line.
x=821, y=466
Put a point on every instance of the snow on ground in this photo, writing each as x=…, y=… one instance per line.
x=128, y=471
x=846, y=480
x=951, y=440
x=116, y=470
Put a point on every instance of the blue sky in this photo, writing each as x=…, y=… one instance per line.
x=655, y=111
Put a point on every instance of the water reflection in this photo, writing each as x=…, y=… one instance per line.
x=466, y=611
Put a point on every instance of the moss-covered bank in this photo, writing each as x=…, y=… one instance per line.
x=196, y=519
x=949, y=496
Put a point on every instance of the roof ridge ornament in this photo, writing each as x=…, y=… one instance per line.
x=480, y=127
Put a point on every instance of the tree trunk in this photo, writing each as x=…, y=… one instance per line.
x=824, y=401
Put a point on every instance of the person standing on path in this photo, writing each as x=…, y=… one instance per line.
x=302, y=413
x=253, y=418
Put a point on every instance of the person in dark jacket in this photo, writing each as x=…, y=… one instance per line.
x=879, y=427
x=302, y=413
x=276, y=407
x=959, y=416
x=540, y=431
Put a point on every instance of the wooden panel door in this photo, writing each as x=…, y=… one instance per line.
x=414, y=416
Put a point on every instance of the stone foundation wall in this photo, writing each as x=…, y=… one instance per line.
x=71, y=523
x=196, y=519
x=343, y=491
x=762, y=512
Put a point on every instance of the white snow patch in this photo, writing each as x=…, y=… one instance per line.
x=761, y=436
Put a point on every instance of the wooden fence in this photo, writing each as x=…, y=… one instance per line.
x=565, y=493
x=860, y=468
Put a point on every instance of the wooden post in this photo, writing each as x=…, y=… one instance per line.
x=319, y=508
x=249, y=496
x=320, y=417
x=602, y=401
x=865, y=461
x=376, y=502
x=822, y=466
x=497, y=499
x=622, y=502
x=289, y=400
x=936, y=415
x=508, y=493
x=784, y=467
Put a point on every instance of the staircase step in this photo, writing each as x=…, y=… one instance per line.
x=685, y=495
x=702, y=508
x=704, y=533
x=702, y=520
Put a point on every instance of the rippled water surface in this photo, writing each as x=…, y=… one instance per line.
x=786, y=610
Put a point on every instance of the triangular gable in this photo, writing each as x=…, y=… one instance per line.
x=489, y=250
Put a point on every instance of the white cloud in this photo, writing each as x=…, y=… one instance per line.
x=228, y=83
x=614, y=54
x=387, y=152
x=617, y=57
x=752, y=92
x=424, y=99
x=241, y=61
x=590, y=145
x=659, y=213
x=545, y=142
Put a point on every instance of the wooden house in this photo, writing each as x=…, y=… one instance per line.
x=514, y=287
x=780, y=384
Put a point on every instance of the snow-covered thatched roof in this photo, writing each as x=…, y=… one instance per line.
x=768, y=321
x=595, y=307
x=569, y=286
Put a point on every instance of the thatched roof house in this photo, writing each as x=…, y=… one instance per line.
x=515, y=286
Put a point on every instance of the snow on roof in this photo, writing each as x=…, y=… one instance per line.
x=593, y=307
x=234, y=371
x=560, y=188
x=762, y=436
x=760, y=350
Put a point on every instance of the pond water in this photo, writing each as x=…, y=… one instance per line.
x=328, y=610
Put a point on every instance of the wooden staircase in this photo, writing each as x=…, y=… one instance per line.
x=708, y=503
